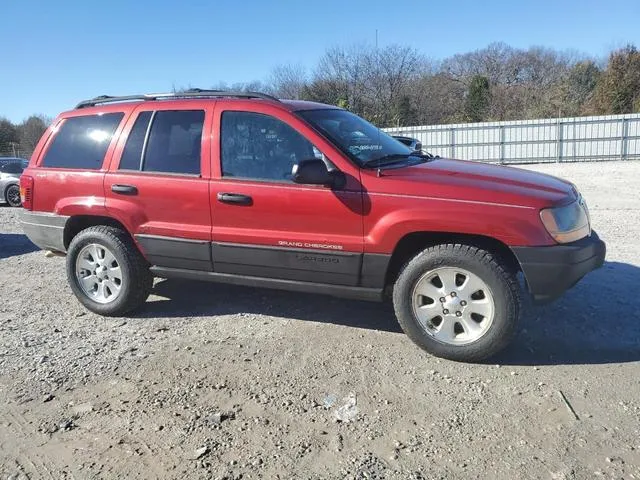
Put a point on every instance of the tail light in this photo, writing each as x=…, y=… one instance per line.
x=26, y=192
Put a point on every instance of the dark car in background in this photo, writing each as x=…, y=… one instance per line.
x=410, y=142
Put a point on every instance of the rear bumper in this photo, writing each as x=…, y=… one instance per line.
x=550, y=271
x=46, y=230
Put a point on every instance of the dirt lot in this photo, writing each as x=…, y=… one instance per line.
x=225, y=382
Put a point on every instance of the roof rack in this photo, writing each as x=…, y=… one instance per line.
x=191, y=93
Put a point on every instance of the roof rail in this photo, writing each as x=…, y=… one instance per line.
x=191, y=93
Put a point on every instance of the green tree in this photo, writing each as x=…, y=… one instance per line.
x=478, y=99
x=404, y=113
x=618, y=90
x=31, y=130
x=8, y=133
x=579, y=87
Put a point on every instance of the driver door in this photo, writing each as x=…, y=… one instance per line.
x=264, y=225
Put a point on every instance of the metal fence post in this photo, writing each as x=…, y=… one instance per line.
x=624, y=139
x=502, y=146
x=453, y=142
x=559, y=142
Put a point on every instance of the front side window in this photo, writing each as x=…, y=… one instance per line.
x=82, y=142
x=360, y=140
x=258, y=146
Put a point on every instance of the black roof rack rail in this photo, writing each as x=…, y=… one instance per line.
x=191, y=93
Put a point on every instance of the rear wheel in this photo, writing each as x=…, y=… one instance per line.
x=457, y=302
x=106, y=271
x=12, y=195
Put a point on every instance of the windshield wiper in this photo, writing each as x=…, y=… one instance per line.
x=392, y=158
x=385, y=160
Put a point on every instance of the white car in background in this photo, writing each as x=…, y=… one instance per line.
x=10, y=170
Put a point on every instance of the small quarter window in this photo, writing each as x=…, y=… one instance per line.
x=82, y=142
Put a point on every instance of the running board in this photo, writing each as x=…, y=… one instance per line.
x=343, y=291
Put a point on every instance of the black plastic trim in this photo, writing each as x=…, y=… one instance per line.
x=357, y=293
x=550, y=271
x=46, y=230
x=192, y=93
x=325, y=266
x=176, y=252
x=374, y=269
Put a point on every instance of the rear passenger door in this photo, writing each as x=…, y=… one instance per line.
x=158, y=184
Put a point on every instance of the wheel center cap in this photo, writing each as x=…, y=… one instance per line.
x=452, y=304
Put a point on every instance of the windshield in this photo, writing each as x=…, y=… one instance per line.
x=361, y=141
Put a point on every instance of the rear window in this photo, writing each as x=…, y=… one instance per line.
x=81, y=142
x=14, y=167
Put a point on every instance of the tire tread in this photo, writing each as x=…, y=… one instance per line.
x=436, y=256
x=141, y=279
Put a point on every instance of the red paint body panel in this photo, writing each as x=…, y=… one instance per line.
x=166, y=205
x=371, y=214
x=283, y=211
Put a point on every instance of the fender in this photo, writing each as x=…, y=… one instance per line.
x=512, y=225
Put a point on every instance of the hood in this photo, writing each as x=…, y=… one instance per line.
x=475, y=181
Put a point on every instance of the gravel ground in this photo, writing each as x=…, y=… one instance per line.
x=217, y=381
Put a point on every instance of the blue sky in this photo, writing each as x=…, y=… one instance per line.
x=57, y=53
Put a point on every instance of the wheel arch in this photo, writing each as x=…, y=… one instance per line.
x=77, y=223
x=413, y=243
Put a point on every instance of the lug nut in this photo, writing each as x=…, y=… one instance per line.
x=463, y=303
x=445, y=311
x=441, y=299
x=458, y=314
x=453, y=294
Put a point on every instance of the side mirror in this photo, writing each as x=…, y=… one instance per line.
x=315, y=172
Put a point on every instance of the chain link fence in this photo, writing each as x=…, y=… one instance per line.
x=14, y=150
x=575, y=139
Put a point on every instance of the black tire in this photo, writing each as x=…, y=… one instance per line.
x=137, y=280
x=503, y=285
x=12, y=196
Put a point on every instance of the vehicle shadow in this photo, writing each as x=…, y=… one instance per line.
x=183, y=298
x=12, y=244
x=598, y=321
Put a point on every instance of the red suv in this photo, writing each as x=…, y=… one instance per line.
x=247, y=189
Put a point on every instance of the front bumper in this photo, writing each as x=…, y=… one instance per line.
x=550, y=271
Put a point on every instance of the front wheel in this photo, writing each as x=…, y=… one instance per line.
x=457, y=302
x=106, y=271
x=12, y=196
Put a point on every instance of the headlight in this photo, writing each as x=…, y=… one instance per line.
x=569, y=223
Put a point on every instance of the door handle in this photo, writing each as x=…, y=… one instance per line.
x=124, y=189
x=236, y=198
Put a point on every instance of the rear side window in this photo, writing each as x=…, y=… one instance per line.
x=174, y=142
x=132, y=153
x=81, y=142
x=171, y=145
